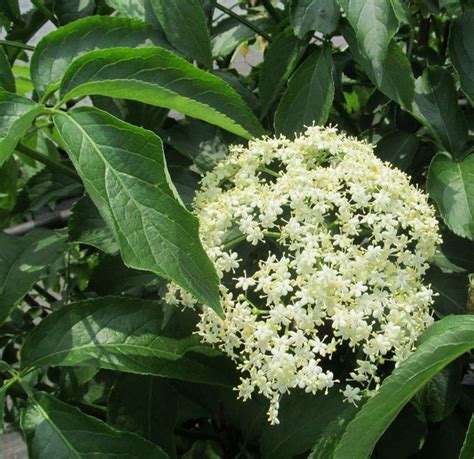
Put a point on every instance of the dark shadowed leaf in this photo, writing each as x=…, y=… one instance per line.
x=159, y=77
x=22, y=262
x=7, y=80
x=126, y=334
x=59, y=48
x=314, y=15
x=461, y=51
x=441, y=343
x=398, y=148
x=436, y=106
x=71, y=10
x=185, y=26
x=451, y=185
x=309, y=96
x=8, y=184
x=54, y=429
x=124, y=171
x=86, y=226
x=281, y=58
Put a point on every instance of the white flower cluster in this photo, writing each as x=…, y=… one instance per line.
x=321, y=249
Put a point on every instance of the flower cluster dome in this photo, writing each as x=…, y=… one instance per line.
x=321, y=249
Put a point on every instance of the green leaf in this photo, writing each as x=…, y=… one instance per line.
x=58, y=49
x=126, y=334
x=7, y=80
x=458, y=250
x=159, y=77
x=54, y=429
x=436, y=106
x=185, y=26
x=314, y=15
x=71, y=10
x=398, y=148
x=451, y=185
x=309, y=96
x=147, y=406
x=452, y=290
x=401, y=10
x=125, y=174
x=441, y=343
x=467, y=451
x=86, y=226
x=8, y=185
x=281, y=58
x=375, y=24
x=398, y=82
x=22, y=262
x=303, y=419
x=461, y=51
x=17, y=113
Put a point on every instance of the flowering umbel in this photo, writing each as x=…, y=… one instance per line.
x=321, y=249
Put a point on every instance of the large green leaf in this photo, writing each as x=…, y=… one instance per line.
x=185, y=26
x=375, y=24
x=147, y=406
x=17, y=113
x=71, y=10
x=58, y=49
x=397, y=82
x=436, y=106
x=467, y=451
x=7, y=80
x=281, y=58
x=125, y=334
x=442, y=343
x=86, y=226
x=451, y=185
x=54, y=429
x=124, y=170
x=461, y=51
x=314, y=15
x=22, y=262
x=159, y=77
x=309, y=96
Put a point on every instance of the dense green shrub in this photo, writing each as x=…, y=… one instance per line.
x=106, y=126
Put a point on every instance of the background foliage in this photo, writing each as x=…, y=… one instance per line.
x=105, y=127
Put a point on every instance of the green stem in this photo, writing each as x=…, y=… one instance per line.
x=271, y=10
x=47, y=161
x=242, y=237
x=16, y=44
x=45, y=294
x=268, y=171
x=243, y=21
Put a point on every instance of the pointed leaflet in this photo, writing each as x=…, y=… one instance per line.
x=22, y=262
x=129, y=335
x=281, y=58
x=54, y=429
x=451, y=185
x=58, y=49
x=309, y=96
x=17, y=113
x=314, y=15
x=375, y=24
x=124, y=171
x=461, y=51
x=7, y=80
x=158, y=77
x=185, y=27
x=436, y=106
x=398, y=82
x=441, y=343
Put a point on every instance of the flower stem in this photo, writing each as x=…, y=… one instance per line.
x=271, y=10
x=16, y=44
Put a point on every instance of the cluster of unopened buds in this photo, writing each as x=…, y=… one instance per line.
x=321, y=249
